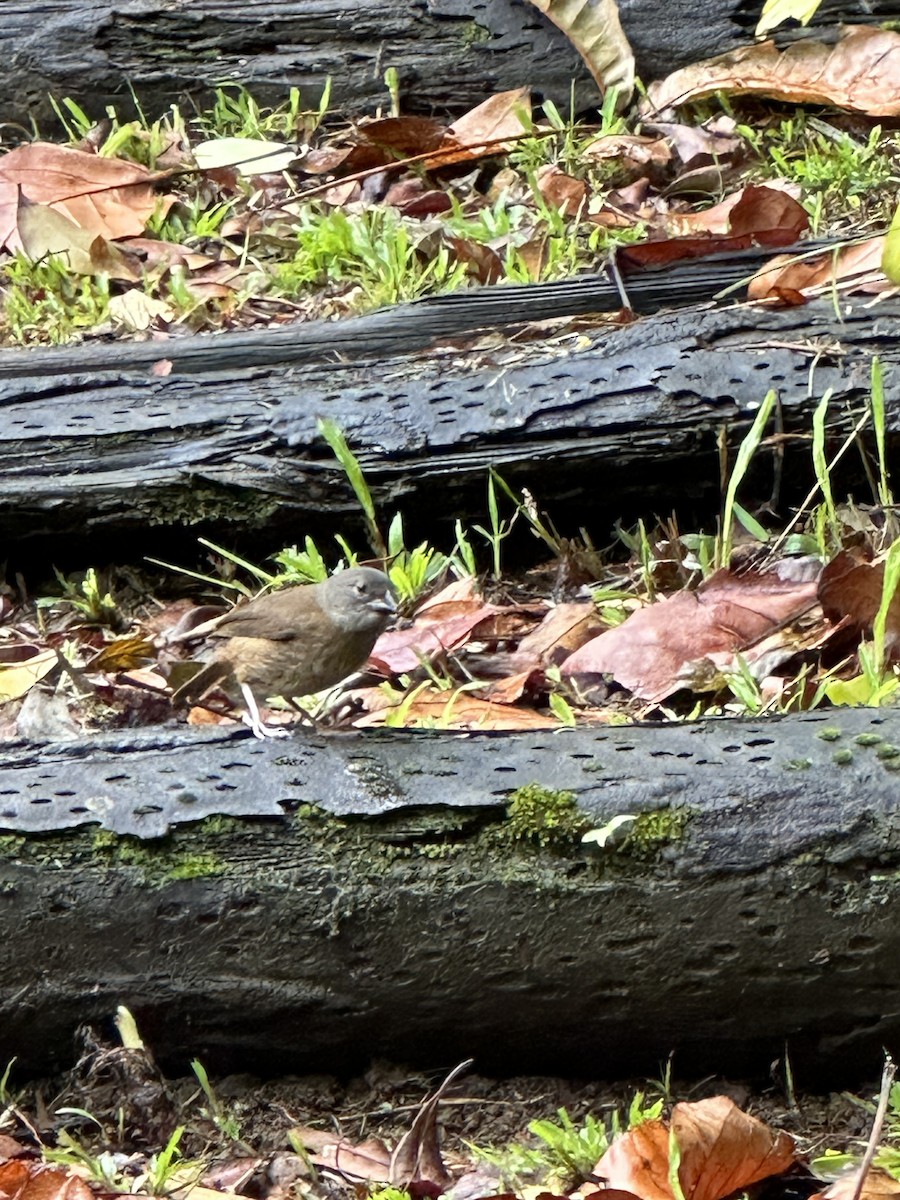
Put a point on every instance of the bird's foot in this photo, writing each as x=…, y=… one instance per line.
x=260, y=730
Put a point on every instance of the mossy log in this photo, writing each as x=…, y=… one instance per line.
x=307, y=905
x=449, y=54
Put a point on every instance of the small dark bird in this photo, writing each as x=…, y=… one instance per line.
x=294, y=642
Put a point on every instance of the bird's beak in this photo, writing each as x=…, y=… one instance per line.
x=385, y=603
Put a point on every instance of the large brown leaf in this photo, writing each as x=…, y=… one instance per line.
x=860, y=73
x=721, y=1151
x=649, y=652
x=104, y=196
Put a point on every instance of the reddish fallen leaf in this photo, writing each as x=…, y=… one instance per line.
x=500, y=116
x=649, y=651
x=564, y=629
x=858, y=266
x=10, y=1148
x=754, y=216
x=850, y=591
x=511, y=688
x=860, y=73
x=482, y=261
x=442, y=624
x=105, y=196
x=33, y=1181
x=456, y=710
x=417, y=1159
x=561, y=191
x=369, y=1160
x=722, y=1151
x=405, y=137
x=161, y=368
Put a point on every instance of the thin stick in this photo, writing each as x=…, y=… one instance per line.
x=887, y=1079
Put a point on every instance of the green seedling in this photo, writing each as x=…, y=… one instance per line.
x=348, y=460
x=104, y=1167
x=47, y=302
x=462, y=558
x=820, y=466
x=745, y=454
x=572, y=1150
x=392, y=83
x=167, y=1169
x=884, y=493
x=500, y=528
x=412, y=571
x=877, y=682
x=236, y=113
x=224, y=1121
x=306, y=565
x=96, y=606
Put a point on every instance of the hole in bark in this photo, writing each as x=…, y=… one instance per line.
x=760, y=741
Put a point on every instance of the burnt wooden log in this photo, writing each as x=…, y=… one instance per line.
x=449, y=54
x=185, y=874
x=92, y=441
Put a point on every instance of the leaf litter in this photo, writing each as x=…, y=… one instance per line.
x=115, y=1124
x=252, y=217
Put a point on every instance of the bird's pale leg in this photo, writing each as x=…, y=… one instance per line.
x=252, y=718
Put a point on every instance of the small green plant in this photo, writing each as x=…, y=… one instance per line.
x=224, y=1121
x=569, y=1152
x=375, y=253
x=412, y=571
x=88, y=597
x=104, y=1167
x=168, y=1168
x=338, y=442
x=388, y=1193
x=745, y=454
x=6, y=1097
x=500, y=528
x=572, y=1150
x=236, y=113
x=47, y=302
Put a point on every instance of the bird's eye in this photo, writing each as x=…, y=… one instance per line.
x=360, y=589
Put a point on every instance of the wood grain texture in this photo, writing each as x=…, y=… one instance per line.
x=399, y=922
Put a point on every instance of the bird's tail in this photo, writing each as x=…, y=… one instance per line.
x=203, y=680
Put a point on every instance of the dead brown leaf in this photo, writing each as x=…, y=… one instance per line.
x=369, y=1160
x=860, y=73
x=456, y=710
x=856, y=267
x=34, y=1181
x=850, y=591
x=594, y=29
x=104, y=196
x=561, y=191
x=722, y=1151
x=650, y=651
x=442, y=624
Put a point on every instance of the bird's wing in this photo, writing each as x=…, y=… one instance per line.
x=277, y=616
